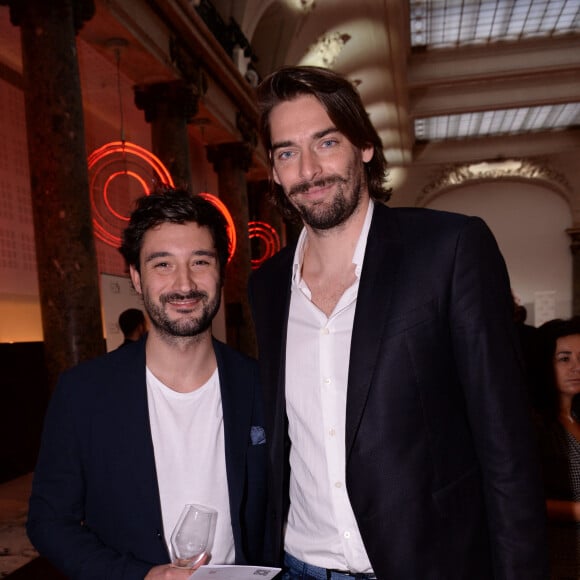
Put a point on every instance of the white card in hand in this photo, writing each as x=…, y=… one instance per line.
x=219, y=572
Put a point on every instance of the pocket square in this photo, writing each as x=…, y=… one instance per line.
x=257, y=435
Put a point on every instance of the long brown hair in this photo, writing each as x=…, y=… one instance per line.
x=343, y=105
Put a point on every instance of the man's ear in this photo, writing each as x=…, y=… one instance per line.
x=136, y=279
x=367, y=154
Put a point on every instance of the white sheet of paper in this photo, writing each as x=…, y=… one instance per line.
x=223, y=572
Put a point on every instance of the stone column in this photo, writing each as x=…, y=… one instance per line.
x=574, y=234
x=231, y=161
x=169, y=107
x=65, y=250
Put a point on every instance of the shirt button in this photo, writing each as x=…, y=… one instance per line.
x=327, y=381
x=347, y=535
x=332, y=432
x=325, y=331
x=338, y=484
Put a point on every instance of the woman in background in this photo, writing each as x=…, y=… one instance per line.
x=558, y=420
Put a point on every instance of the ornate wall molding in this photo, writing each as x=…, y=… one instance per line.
x=326, y=50
x=458, y=175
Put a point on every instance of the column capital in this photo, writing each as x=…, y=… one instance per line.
x=240, y=154
x=82, y=10
x=173, y=98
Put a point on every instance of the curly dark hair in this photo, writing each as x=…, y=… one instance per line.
x=343, y=105
x=546, y=397
x=176, y=206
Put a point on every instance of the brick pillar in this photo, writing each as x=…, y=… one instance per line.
x=65, y=250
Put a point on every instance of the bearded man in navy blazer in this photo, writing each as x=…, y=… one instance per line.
x=400, y=445
x=174, y=418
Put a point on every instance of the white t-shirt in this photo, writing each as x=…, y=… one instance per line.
x=188, y=440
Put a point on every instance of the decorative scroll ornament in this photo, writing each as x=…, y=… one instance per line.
x=516, y=169
x=268, y=236
x=326, y=50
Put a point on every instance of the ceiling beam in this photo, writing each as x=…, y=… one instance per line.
x=503, y=75
x=554, y=88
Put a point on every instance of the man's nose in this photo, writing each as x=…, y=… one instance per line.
x=184, y=279
x=309, y=165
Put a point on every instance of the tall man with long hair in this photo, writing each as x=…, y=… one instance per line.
x=401, y=447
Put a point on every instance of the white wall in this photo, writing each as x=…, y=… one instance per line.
x=529, y=223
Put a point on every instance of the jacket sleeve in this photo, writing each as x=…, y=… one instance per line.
x=488, y=362
x=56, y=511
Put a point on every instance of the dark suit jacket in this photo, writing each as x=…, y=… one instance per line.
x=97, y=466
x=440, y=465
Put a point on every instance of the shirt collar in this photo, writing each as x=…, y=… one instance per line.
x=359, y=251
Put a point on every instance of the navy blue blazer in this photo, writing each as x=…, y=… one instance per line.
x=441, y=470
x=95, y=510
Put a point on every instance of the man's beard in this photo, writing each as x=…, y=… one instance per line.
x=188, y=327
x=327, y=215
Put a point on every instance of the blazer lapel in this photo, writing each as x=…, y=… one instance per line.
x=378, y=277
x=274, y=295
x=280, y=320
x=237, y=411
x=136, y=444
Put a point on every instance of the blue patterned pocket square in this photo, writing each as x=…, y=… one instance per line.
x=257, y=435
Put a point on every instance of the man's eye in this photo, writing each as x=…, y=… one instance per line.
x=329, y=143
x=284, y=155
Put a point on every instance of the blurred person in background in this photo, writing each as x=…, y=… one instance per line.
x=133, y=325
x=558, y=421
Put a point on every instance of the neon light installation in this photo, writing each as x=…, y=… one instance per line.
x=231, y=227
x=119, y=172
x=266, y=234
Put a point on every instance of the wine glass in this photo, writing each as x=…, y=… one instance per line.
x=193, y=535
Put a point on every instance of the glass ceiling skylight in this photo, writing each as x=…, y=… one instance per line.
x=448, y=23
x=437, y=24
x=500, y=122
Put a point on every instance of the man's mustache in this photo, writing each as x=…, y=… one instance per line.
x=177, y=297
x=304, y=186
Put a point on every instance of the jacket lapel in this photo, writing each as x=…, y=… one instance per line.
x=273, y=293
x=378, y=277
x=137, y=442
x=237, y=411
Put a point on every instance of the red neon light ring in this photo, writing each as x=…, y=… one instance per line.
x=269, y=236
x=231, y=226
x=103, y=164
x=109, y=162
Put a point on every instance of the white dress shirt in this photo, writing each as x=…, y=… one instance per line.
x=321, y=528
